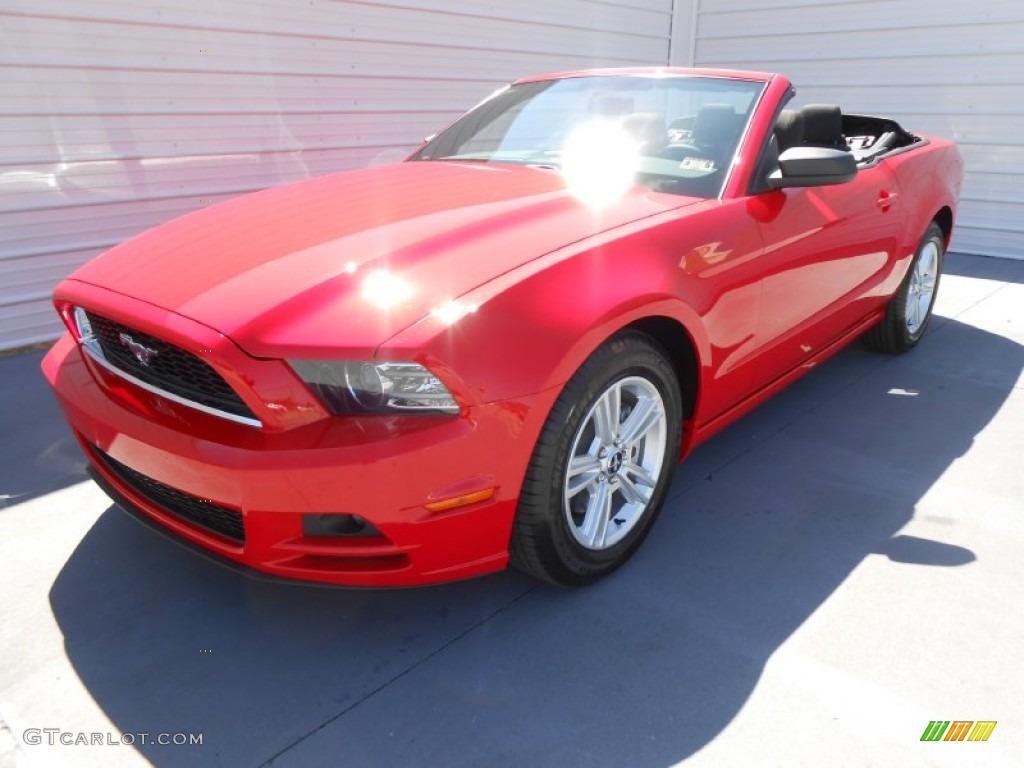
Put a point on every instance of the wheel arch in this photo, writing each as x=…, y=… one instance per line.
x=944, y=218
x=682, y=352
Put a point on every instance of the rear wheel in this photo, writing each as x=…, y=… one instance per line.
x=910, y=309
x=601, y=468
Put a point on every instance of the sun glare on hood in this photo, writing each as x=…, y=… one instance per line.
x=599, y=163
x=385, y=290
x=453, y=311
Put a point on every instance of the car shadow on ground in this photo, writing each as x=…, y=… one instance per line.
x=47, y=457
x=644, y=669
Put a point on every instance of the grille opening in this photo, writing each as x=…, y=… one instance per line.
x=165, y=366
x=348, y=564
x=214, y=518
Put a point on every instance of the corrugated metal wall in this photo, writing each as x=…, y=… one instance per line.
x=116, y=115
x=119, y=114
x=952, y=68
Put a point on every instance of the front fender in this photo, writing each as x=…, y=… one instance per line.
x=522, y=334
x=530, y=329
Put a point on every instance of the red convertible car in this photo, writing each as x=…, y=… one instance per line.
x=496, y=351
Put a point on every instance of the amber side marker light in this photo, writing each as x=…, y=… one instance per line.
x=461, y=501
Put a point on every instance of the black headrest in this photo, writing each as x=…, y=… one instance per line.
x=715, y=124
x=823, y=125
x=789, y=129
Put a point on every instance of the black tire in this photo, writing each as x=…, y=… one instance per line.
x=895, y=333
x=630, y=368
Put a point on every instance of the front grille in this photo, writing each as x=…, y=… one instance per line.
x=205, y=514
x=168, y=367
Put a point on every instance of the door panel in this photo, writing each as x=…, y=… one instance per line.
x=826, y=249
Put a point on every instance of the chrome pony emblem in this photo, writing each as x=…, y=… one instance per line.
x=142, y=353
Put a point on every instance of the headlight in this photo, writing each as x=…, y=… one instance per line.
x=356, y=387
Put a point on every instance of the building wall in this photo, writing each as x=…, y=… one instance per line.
x=951, y=68
x=116, y=115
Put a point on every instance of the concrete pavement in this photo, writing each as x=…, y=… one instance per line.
x=831, y=573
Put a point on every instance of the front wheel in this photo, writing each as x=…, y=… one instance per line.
x=909, y=311
x=601, y=468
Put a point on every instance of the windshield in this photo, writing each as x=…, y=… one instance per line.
x=671, y=134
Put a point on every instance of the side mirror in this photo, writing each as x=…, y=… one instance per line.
x=813, y=167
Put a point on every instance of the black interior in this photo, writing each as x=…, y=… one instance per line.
x=824, y=125
x=701, y=142
x=870, y=138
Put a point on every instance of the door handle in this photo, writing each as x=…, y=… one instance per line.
x=886, y=199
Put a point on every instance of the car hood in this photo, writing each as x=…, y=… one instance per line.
x=349, y=260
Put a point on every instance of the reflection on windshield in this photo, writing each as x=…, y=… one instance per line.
x=673, y=134
x=599, y=163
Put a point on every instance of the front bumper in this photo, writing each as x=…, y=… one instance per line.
x=384, y=469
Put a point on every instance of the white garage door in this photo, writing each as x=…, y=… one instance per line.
x=119, y=114
x=955, y=69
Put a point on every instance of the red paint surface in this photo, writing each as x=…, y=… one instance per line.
x=764, y=287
